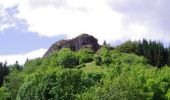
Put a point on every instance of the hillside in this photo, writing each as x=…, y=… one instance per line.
x=107, y=74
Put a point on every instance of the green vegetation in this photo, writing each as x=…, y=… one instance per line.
x=4, y=70
x=55, y=83
x=154, y=52
x=67, y=58
x=85, y=55
x=108, y=74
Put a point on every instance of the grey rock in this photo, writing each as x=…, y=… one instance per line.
x=81, y=41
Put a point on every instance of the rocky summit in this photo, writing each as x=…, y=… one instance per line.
x=81, y=41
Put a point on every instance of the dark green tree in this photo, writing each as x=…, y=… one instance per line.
x=4, y=71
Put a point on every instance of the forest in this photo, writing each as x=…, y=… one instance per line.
x=134, y=70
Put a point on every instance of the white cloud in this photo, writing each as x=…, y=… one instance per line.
x=115, y=20
x=21, y=58
x=71, y=17
x=152, y=16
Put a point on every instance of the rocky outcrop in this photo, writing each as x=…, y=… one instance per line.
x=82, y=41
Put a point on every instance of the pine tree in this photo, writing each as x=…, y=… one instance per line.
x=168, y=56
x=104, y=43
x=4, y=70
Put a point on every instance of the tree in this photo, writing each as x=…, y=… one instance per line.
x=13, y=82
x=104, y=43
x=67, y=58
x=4, y=94
x=127, y=47
x=16, y=66
x=98, y=60
x=31, y=65
x=155, y=52
x=168, y=62
x=85, y=55
x=4, y=71
x=103, y=56
x=56, y=84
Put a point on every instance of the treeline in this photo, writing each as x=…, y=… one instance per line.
x=4, y=70
x=155, y=52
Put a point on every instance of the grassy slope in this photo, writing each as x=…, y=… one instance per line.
x=92, y=68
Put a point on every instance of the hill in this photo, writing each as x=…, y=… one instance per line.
x=108, y=74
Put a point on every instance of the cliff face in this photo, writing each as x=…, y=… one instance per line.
x=82, y=41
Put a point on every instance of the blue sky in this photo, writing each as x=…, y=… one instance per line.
x=14, y=41
x=29, y=27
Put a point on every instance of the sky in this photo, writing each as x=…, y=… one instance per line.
x=29, y=27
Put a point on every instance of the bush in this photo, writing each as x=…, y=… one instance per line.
x=4, y=94
x=31, y=65
x=53, y=59
x=107, y=60
x=55, y=84
x=85, y=55
x=13, y=82
x=103, y=56
x=98, y=60
x=127, y=47
x=67, y=58
x=123, y=87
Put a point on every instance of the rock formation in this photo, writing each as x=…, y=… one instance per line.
x=82, y=41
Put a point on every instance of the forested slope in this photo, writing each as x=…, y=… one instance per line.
x=108, y=74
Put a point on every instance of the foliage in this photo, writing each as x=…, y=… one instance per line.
x=4, y=70
x=4, y=94
x=109, y=74
x=55, y=84
x=85, y=55
x=103, y=56
x=31, y=65
x=127, y=47
x=16, y=66
x=98, y=60
x=53, y=59
x=81, y=66
x=153, y=51
x=13, y=82
x=67, y=58
x=121, y=88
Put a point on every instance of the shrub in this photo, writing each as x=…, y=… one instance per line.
x=53, y=58
x=31, y=65
x=85, y=55
x=98, y=60
x=55, y=84
x=127, y=47
x=119, y=88
x=107, y=60
x=103, y=56
x=4, y=94
x=13, y=82
x=67, y=58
